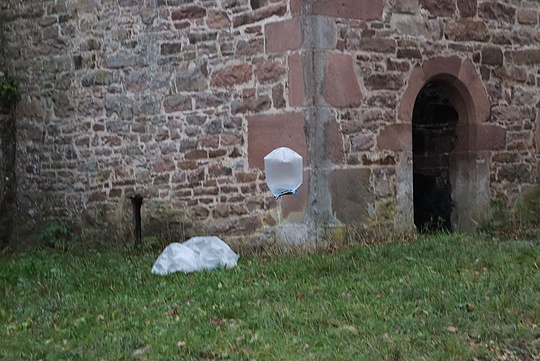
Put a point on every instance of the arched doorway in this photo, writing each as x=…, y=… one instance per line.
x=434, y=137
x=450, y=83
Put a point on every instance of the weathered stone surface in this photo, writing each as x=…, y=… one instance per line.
x=218, y=19
x=295, y=206
x=277, y=96
x=259, y=14
x=379, y=45
x=193, y=81
x=412, y=25
x=526, y=57
x=232, y=75
x=514, y=173
x=397, y=137
x=207, y=100
x=351, y=195
x=249, y=48
x=340, y=85
x=409, y=53
x=439, y=7
x=362, y=142
x=442, y=67
x=467, y=8
x=527, y=16
x=177, y=103
x=396, y=65
x=283, y=36
x=492, y=56
x=297, y=91
x=190, y=12
x=404, y=6
x=384, y=81
x=63, y=105
x=497, y=11
x=201, y=37
x=349, y=9
x=251, y=105
x=267, y=132
x=270, y=72
x=490, y=137
x=467, y=30
x=334, y=143
x=171, y=48
x=98, y=77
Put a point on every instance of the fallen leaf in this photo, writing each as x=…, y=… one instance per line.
x=352, y=329
x=140, y=351
x=300, y=297
x=216, y=321
x=452, y=329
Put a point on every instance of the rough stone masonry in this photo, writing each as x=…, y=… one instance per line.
x=179, y=101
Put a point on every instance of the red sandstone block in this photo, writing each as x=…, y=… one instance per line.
x=268, y=132
x=334, y=143
x=269, y=72
x=349, y=9
x=196, y=154
x=467, y=30
x=340, y=85
x=297, y=204
x=296, y=7
x=283, y=36
x=396, y=137
x=297, y=91
x=250, y=17
x=490, y=137
x=232, y=75
x=447, y=68
x=439, y=7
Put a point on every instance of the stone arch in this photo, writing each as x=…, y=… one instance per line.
x=470, y=161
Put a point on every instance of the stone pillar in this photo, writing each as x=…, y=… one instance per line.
x=322, y=79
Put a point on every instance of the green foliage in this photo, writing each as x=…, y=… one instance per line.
x=529, y=209
x=9, y=90
x=445, y=297
x=55, y=235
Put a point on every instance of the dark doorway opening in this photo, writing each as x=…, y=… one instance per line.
x=434, y=138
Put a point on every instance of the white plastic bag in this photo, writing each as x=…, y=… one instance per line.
x=196, y=254
x=283, y=168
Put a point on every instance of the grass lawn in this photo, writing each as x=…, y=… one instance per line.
x=446, y=297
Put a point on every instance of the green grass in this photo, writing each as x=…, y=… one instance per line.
x=447, y=297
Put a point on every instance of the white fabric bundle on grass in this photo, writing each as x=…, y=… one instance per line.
x=196, y=254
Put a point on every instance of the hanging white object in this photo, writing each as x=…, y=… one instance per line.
x=283, y=168
x=196, y=254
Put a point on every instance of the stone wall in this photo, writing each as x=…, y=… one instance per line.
x=179, y=100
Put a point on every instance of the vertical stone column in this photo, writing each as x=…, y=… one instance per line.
x=322, y=80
